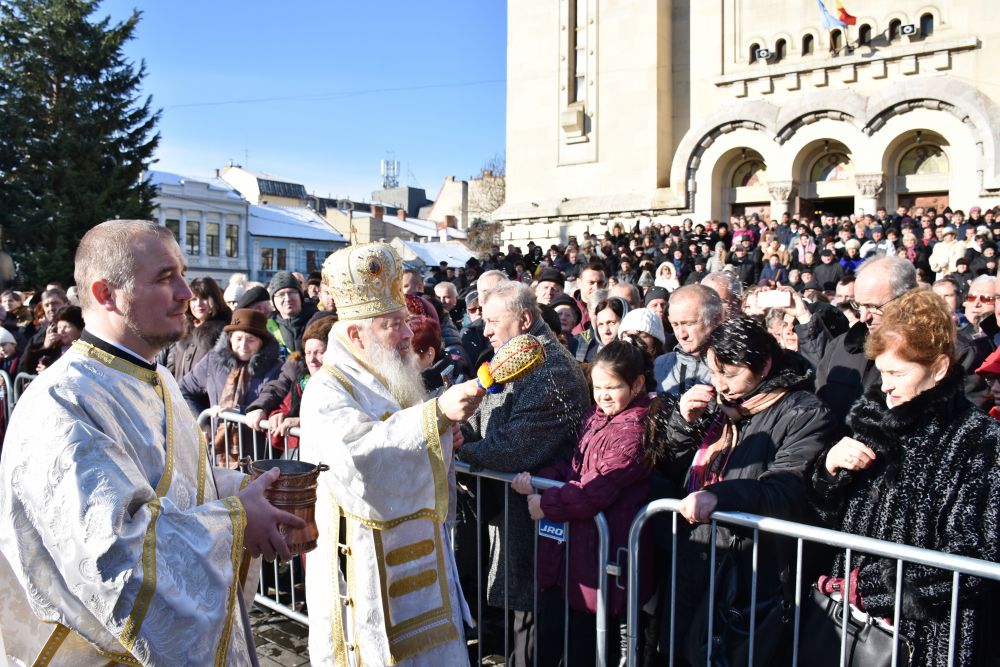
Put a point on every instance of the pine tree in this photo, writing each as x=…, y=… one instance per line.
x=75, y=135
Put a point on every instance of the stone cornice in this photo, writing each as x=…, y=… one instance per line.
x=922, y=48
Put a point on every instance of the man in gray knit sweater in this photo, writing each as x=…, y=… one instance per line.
x=531, y=423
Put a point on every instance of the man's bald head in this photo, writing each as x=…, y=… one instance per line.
x=108, y=252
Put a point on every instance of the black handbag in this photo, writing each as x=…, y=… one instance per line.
x=869, y=644
x=731, y=622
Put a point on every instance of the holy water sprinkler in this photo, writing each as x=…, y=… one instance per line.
x=516, y=358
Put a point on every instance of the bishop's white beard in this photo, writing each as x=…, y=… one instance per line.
x=402, y=377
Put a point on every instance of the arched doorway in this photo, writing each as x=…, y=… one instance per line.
x=747, y=185
x=827, y=181
x=922, y=172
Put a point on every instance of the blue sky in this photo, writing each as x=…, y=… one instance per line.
x=320, y=91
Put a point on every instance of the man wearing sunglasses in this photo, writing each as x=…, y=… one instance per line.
x=842, y=370
x=979, y=302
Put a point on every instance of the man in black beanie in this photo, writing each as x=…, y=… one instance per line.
x=291, y=313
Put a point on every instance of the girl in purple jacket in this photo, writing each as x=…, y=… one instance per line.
x=608, y=473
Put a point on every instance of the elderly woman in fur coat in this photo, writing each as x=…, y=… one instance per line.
x=231, y=376
x=920, y=468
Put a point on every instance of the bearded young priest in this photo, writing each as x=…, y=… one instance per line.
x=391, y=594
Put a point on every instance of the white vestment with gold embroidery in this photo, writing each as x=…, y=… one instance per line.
x=389, y=478
x=119, y=542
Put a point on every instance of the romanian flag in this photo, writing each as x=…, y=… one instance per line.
x=842, y=14
x=829, y=22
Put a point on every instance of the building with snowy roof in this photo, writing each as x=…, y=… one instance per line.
x=289, y=238
x=258, y=187
x=375, y=224
x=208, y=218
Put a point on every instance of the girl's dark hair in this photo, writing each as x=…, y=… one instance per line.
x=625, y=359
x=207, y=288
x=744, y=341
x=615, y=303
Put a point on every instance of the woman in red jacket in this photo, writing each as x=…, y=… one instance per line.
x=608, y=473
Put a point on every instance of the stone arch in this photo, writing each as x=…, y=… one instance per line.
x=755, y=115
x=709, y=183
x=980, y=115
x=937, y=127
x=841, y=105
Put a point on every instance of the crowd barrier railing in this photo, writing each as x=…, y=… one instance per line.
x=281, y=592
x=281, y=587
x=6, y=396
x=21, y=383
x=604, y=567
x=901, y=553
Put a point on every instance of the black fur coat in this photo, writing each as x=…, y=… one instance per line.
x=935, y=484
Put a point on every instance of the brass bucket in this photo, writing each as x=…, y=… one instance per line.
x=295, y=492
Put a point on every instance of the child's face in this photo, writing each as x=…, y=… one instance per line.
x=611, y=393
x=8, y=350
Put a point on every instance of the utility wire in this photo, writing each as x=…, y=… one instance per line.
x=336, y=96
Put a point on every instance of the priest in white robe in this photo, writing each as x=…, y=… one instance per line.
x=120, y=543
x=390, y=455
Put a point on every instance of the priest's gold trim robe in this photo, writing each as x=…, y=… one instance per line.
x=389, y=477
x=119, y=542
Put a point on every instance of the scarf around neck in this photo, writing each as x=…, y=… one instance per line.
x=722, y=437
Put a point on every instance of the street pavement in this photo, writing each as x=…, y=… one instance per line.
x=280, y=642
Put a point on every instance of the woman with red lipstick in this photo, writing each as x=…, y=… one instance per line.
x=920, y=468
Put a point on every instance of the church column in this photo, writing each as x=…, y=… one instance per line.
x=781, y=195
x=870, y=188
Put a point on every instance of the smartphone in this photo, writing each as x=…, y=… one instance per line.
x=774, y=299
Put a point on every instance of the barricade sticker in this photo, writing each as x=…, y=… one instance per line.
x=553, y=531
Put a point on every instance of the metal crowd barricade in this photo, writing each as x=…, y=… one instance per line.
x=901, y=553
x=6, y=396
x=21, y=383
x=281, y=587
x=604, y=566
x=289, y=600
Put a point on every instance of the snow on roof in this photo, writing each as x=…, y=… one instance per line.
x=291, y=222
x=158, y=179
x=264, y=175
x=432, y=254
x=416, y=226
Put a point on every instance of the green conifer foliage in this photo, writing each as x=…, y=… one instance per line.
x=75, y=134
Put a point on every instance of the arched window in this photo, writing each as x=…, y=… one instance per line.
x=807, y=45
x=832, y=167
x=926, y=24
x=753, y=52
x=894, y=29
x=750, y=173
x=836, y=41
x=923, y=160
x=865, y=35
x=780, y=48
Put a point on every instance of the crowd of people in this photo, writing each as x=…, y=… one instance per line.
x=839, y=373
x=842, y=373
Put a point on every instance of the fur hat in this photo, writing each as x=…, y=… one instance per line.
x=71, y=314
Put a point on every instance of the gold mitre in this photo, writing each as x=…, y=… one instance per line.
x=366, y=280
